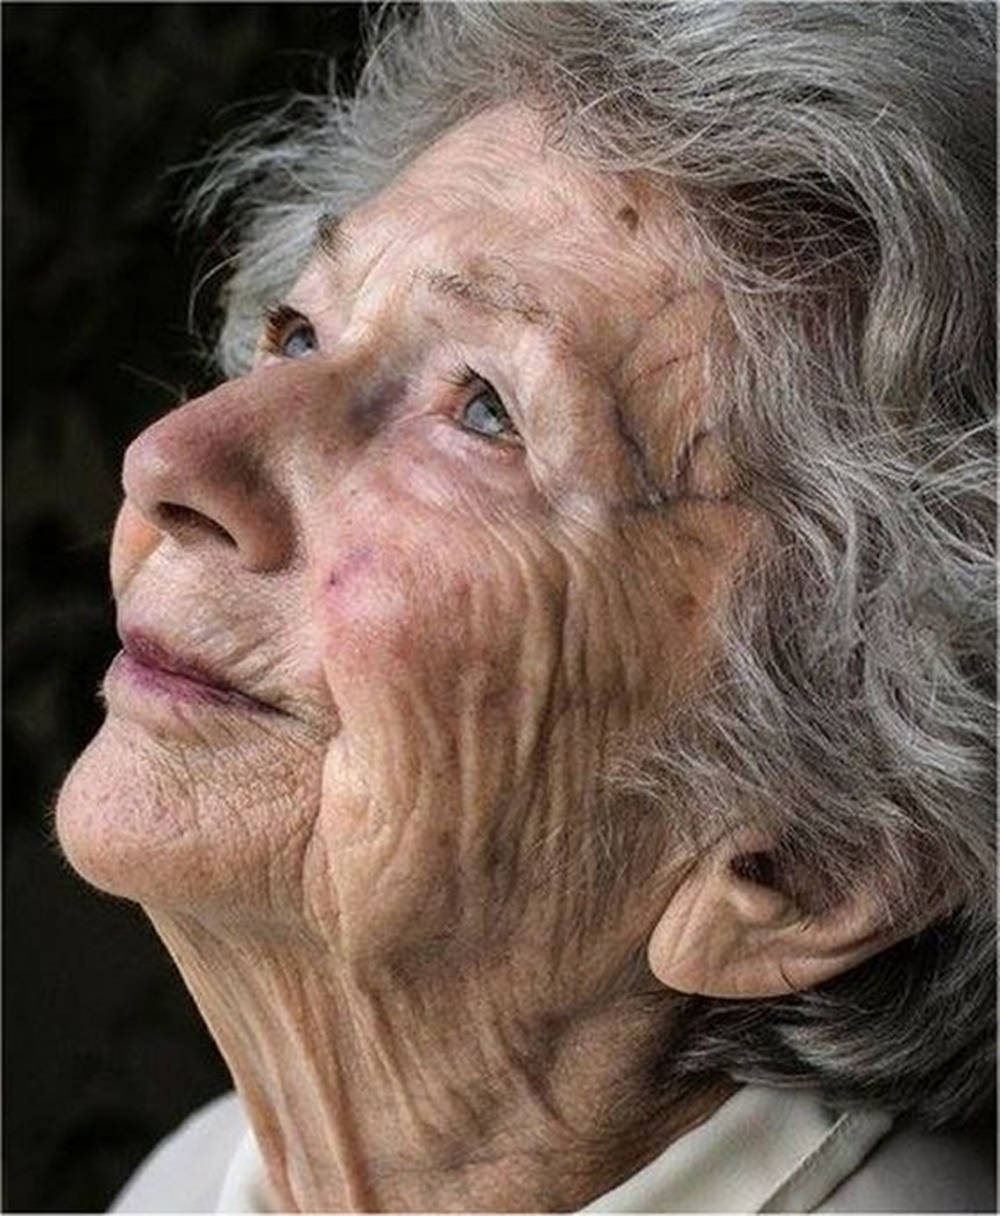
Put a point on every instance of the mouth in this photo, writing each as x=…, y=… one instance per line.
x=145, y=662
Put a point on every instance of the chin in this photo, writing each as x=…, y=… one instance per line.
x=109, y=829
x=155, y=823
x=131, y=828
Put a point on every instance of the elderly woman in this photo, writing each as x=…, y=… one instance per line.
x=552, y=731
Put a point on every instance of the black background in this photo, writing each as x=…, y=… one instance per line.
x=103, y=1049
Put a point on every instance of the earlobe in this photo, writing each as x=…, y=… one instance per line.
x=730, y=929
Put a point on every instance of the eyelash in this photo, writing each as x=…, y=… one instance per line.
x=463, y=376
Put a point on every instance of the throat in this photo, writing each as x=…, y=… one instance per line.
x=473, y=1095
x=485, y=1119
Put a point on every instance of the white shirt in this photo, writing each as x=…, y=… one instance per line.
x=763, y=1150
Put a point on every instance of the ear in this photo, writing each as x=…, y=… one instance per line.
x=731, y=930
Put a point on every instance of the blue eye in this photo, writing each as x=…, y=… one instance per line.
x=485, y=414
x=298, y=341
x=289, y=334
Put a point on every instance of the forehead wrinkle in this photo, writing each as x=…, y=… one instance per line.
x=657, y=368
x=672, y=345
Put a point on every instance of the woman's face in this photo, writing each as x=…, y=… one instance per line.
x=390, y=603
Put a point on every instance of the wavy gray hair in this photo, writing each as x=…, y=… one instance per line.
x=834, y=163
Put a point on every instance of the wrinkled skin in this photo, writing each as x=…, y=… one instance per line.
x=384, y=885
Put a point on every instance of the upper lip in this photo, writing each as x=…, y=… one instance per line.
x=151, y=652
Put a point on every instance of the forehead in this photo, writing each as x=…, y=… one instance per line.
x=493, y=207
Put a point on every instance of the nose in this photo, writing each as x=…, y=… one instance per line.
x=213, y=473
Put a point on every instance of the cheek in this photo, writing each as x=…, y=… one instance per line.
x=442, y=659
x=441, y=645
x=427, y=589
x=424, y=621
x=132, y=542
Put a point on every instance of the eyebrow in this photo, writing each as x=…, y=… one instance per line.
x=488, y=287
x=330, y=239
x=491, y=290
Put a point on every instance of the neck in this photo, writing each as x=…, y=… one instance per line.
x=382, y=1094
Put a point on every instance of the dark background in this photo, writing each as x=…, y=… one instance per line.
x=103, y=1049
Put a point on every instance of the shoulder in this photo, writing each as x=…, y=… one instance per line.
x=913, y=1170
x=185, y=1172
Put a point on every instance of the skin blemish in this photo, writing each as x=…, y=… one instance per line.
x=353, y=561
x=629, y=217
x=368, y=410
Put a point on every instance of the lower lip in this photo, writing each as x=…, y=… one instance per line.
x=158, y=681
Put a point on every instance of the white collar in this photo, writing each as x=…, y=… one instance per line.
x=763, y=1150
x=244, y=1187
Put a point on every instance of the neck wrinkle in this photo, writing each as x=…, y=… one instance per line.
x=460, y=1098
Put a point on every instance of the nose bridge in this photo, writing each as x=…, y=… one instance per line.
x=224, y=466
x=282, y=405
x=312, y=406
x=302, y=407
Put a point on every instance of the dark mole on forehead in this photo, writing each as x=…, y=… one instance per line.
x=629, y=217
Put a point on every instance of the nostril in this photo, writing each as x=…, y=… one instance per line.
x=176, y=518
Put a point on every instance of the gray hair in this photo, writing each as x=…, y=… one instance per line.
x=834, y=165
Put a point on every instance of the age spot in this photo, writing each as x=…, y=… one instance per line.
x=629, y=217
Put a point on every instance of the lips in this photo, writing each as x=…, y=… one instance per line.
x=166, y=671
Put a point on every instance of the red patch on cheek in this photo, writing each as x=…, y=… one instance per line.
x=383, y=611
x=364, y=598
x=351, y=564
